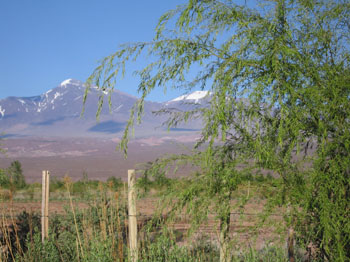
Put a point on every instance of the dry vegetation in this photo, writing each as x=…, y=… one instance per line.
x=97, y=219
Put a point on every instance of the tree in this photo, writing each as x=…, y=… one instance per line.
x=12, y=177
x=280, y=81
x=4, y=180
x=16, y=177
x=2, y=151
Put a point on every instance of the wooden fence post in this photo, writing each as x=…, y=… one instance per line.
x=132, y=215
x=45, y=205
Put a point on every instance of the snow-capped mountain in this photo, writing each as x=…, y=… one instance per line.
x=195, y=97
x=58, y=112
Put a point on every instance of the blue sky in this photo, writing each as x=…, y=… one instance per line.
x=44, y=42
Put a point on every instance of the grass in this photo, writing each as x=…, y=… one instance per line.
x=99, y=231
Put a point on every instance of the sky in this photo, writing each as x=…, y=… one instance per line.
x=44, y=42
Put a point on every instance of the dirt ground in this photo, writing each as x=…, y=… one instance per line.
x=244, y=225
x=97, y=158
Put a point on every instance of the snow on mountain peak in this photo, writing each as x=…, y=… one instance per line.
x=196, y=95
x=71, y=82
x=21, y=101
x=65, y=82
x=2, y=111
x=57, y=94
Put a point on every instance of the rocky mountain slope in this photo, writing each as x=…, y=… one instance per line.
x=57, y=113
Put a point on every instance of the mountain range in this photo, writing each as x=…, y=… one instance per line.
x=57, y=113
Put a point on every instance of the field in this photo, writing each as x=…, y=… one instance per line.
x=73, y=156
x=93, y=201
x=98, y=210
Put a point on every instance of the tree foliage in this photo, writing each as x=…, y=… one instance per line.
x=13, y=177
x=280, y=79
x=2, y=150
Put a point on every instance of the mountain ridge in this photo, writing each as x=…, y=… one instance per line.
x=58, y=112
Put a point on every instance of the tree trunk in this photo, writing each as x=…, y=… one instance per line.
x=290, y=245
x=224, y=238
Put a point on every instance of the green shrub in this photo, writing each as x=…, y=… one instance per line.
x=163, y=248
x=114, y=182
x=19, y=235
x=4, y=179
x=16, y=176
x=56, y=184
x=82, y=187
x=12, y=177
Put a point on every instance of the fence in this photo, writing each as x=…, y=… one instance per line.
x=132, y=221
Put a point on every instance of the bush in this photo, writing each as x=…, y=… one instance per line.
x=4, y=179
x=16, y=175
x=56, y=184
x=19, y=235
x=12, y=178
x=114, y=182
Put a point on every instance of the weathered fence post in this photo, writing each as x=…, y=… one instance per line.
x=45, y=205
x=132, y=215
